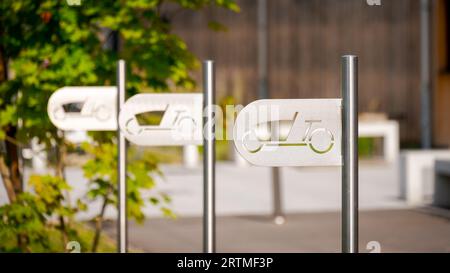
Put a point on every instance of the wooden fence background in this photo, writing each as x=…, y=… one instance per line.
x=307, y=38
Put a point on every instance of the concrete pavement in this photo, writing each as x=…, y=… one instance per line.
x=248, y=190
x=311, y=198
x=417, y=230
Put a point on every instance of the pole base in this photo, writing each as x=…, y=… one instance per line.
x=279, y=220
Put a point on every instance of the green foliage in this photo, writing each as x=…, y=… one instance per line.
x=225, y=123
x=50, y=44
x=27, y=219
x=54, y=242
x=101, y=171
x=366, y=146
x=216, y=26
x=49, y=191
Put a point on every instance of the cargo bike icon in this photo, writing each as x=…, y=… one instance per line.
x=87, y=108
x=280, y=133
x=168, y=119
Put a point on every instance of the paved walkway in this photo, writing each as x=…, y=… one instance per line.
x=311, y=198
x=248, y=190
x=418, y=230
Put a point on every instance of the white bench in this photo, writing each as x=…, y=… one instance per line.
x=441, y=196
x=417, y=173
x=191, y=158
x=388, y=130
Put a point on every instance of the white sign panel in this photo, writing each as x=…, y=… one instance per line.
x=162, y=119
x=294, y=132
x=84, y=108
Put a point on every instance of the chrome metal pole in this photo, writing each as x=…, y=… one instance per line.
x=350, y=154
x=209, y=161
x=425, y=77
x=122, y=227
x=278, y=214
x=263, y=93
x=263, y=50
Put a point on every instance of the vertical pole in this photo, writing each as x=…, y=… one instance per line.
x=263, y=50
x=209, y=161
x=263, y=92
x=122, y=232
x=278, y=215
x=425, y=80
x=350, y=154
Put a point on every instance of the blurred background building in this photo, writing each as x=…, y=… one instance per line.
x=305, y=41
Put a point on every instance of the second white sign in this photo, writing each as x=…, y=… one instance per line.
x=162, y=119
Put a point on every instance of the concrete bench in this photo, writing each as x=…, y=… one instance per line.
x=417, y=174
x=191, y=158
x=388, y=130
x=441, y=196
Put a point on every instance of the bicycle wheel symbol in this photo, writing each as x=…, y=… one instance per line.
x=253, y=144
x=327, y=148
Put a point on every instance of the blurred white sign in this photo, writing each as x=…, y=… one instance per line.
x=294, y=132
x=84, y=108
x=162, y=119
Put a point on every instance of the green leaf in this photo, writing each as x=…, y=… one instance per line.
x=216, y=26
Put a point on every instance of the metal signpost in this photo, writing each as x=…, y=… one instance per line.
x=309, y=132
x=263, y=93
x=122, y=225
x=162, y=119
x=180, y=123
x=96, y=108
x=290, y=132
x=294, y=132
x=209, y=160
x=176, y=120
x=350, y=154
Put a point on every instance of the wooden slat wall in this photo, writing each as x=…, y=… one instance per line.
x=307, y=38
x=441, y=96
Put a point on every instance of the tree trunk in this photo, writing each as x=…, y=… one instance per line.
x=61, y=151
x=23, y=243
x=65, y=235
x=7, y=180
x=12, y=151
x=98, y=226
x=9, y=163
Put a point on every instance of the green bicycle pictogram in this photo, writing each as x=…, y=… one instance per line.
x=269, y=134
